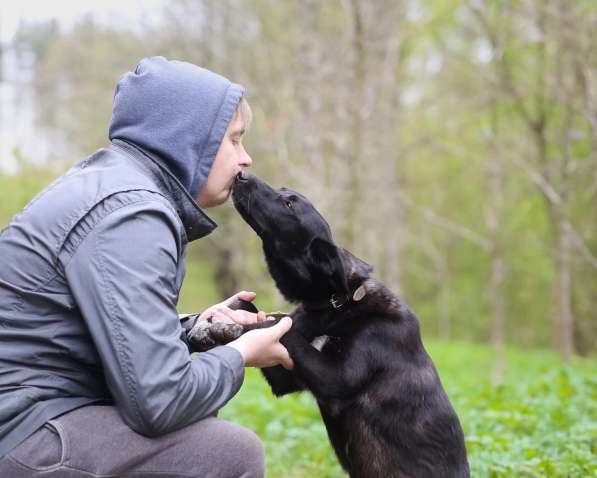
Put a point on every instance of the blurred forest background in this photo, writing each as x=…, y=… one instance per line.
x=452, y=144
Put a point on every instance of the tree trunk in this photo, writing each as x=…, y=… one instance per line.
x=355, y=194
x=564, y=292
x=493, y=220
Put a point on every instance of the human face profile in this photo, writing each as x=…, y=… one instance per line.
x=230, y=159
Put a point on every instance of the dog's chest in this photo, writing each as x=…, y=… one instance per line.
x=328, y=345
x=332, y=347
x=319, y=342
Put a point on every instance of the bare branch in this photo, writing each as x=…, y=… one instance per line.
x=550, y=193
x=581, y=245
x=457, y=229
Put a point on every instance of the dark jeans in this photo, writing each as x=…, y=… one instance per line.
x=93, y=441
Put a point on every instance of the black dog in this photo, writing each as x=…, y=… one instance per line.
x=384, y=407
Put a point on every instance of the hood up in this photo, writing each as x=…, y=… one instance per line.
x=179, y=112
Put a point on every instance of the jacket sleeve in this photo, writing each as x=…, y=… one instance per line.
x=122, y=277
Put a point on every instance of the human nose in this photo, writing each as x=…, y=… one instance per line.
x=245, y=159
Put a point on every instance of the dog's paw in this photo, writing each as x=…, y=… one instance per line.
x=206, y=335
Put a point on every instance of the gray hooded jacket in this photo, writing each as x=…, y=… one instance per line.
x=90, y=269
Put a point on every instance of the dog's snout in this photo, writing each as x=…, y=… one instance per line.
x=242, y=176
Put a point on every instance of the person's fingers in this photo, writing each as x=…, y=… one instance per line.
x=247, y=317
x=241, y=317
x=221, y=316
x=243, y=294
x=207, y=313
x=228, y=313
x=217, y=316
x=287, y=364
x=285, y=359
x=282, y=327
x=261, y=317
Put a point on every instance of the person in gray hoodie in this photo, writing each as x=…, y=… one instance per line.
x=96, y=375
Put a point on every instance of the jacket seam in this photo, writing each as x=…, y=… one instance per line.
x=83, y=212
x=109, y=211
x=122, y=361
x=112, y=323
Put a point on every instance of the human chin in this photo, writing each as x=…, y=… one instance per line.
x=221, y=198
x=227, y=193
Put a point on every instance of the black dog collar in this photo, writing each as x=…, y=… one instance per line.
x=338, y=300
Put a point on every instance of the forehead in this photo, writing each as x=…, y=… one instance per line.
x=284, y=191
x=236, y=125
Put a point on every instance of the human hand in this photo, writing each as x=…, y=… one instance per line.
x=262, y=347
x=222, y=313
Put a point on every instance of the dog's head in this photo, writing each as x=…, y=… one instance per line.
x=300, y=251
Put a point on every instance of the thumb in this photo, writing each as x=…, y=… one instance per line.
x=243, y=295
x=282, y=327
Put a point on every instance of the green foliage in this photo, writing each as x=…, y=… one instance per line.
x=425, y=93
x=541, y=423
x=198, y=290
x=17, y=190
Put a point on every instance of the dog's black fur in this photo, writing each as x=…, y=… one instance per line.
x=382, y=401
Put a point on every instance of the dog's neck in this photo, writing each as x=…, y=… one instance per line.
x=337, y=300
x=342, y=321
x=357, y=277
x=301, y=281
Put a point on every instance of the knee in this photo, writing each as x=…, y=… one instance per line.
x=224, y=449
x=250, y=454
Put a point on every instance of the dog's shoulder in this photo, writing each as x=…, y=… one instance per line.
x=383, y=303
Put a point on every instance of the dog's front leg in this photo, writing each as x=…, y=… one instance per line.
x=281, y=381
x=205, y=335
x=325, y=376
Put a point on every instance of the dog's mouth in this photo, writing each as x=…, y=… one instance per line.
x=240, y=183
x=242, y=176
x=241, y=198
x=251, y=197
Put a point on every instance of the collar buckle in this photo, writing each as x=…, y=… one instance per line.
x=336, y=301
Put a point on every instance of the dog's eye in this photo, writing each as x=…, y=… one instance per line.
x=288, y=203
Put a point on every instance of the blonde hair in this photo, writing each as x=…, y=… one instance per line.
x=244, y=111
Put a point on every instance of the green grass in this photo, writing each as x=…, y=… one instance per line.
x=541, y=423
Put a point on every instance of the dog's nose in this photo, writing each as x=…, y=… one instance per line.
x=242, y=176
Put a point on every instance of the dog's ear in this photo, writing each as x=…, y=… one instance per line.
x=327, y=260
x=356, y=266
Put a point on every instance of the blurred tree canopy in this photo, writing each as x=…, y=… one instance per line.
x=452, y=144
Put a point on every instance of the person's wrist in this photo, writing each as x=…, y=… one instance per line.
x=241, y=347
